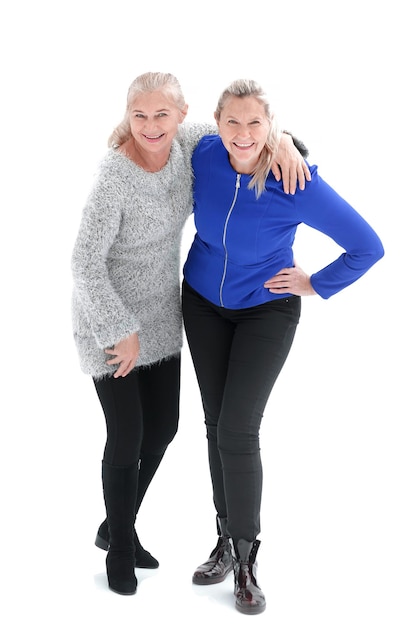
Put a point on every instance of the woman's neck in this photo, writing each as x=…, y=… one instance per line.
x=148, y=161
x=242, y=168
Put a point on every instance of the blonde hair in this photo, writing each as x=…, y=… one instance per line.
x=243, y=88
x=146, y=83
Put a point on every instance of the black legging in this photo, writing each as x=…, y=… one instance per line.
x=141, y=411
x=237, y=355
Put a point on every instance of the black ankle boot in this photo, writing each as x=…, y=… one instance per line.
x=119, y=488
x=249, y=596
x=143, y=558
x=220, y=562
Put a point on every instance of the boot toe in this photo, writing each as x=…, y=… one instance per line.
x=144, y=559
x=249, y=603
x=220, y=561
x=211, y=577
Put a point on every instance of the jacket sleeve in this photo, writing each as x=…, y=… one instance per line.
x=107, y=316
x=327, y=212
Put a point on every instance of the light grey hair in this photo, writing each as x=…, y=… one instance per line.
x=244, y=88
x=147, y=83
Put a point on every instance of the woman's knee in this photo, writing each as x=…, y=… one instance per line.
x=237, y=442
x=157, y=440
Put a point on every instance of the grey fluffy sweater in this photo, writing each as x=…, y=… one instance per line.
x=125, y=261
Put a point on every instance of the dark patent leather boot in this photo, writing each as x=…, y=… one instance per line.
x=220, y=561
x=249, y=596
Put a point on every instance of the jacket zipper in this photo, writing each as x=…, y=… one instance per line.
x=237, y=185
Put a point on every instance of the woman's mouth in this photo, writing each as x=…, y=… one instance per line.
x=153, y=138
x=243, y=146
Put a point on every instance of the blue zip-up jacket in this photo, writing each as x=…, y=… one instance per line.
x=241, y=241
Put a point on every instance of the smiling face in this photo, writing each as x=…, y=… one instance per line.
x=154, y=120
x=243, y=128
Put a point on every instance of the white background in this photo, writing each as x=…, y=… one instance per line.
x=339, y=511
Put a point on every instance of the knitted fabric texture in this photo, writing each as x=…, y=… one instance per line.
x=125, y=262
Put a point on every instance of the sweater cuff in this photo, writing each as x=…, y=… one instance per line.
x=109, y=337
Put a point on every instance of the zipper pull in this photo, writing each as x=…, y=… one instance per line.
x=237, y=181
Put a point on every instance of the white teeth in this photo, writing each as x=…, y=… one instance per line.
x=243, y=145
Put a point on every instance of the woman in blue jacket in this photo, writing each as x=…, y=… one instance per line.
x=241, y=306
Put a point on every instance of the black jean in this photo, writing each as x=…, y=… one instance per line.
x=237, y=355
x=141, y=411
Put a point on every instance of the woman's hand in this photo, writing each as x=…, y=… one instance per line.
x=125, y=355
x=292, y=166
x=291, y=280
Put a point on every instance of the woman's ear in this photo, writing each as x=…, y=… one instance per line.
x=183, y=113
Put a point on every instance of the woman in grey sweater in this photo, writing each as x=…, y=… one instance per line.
x=126, y=300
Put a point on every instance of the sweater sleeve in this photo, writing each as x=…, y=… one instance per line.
x=324, y=210
x=109, y=319
x=189, y=134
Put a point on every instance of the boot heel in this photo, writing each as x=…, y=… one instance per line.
x=101, y=543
